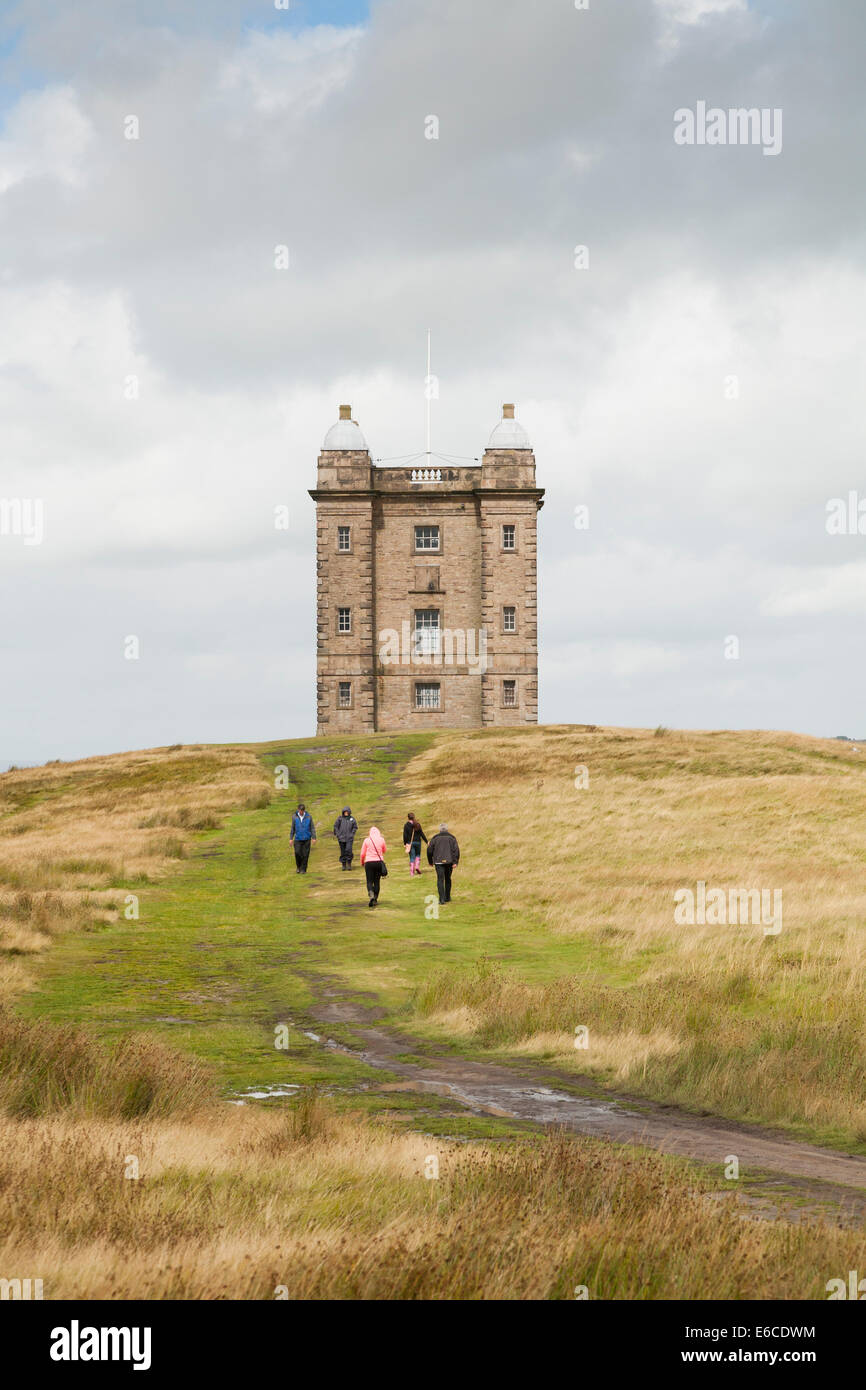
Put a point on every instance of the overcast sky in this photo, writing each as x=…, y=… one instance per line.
x=153, y=259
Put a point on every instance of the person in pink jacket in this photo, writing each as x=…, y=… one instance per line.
x=373, y=859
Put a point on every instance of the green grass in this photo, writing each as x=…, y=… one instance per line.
x=217, y=958
x=223, y=948
x=326, y=1192
x=233, y=943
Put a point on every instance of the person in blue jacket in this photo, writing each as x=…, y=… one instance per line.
x=303, y=835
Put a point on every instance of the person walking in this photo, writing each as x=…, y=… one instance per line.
x=443, y=852
x=412, y=837
x=373, y=859
x=345, y=829
x=302, y=837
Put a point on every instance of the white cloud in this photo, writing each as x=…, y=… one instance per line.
x=46, y=136
x=619, y=660
x=814, y=592
x=693, y=11
x=281, y=73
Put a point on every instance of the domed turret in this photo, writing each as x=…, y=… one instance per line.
x=509, y=433
x=346, y=434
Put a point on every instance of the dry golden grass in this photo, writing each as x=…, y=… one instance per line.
x=234, y=1202
x=621, y=1056
x=244, y=1203
x=75, y=837
x=47, y=1067
x=770, y=1028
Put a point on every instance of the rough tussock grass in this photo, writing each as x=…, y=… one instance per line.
x=45, y=1068
x=239, y=1203
x=767, y=1028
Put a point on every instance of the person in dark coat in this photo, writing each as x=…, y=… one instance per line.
x=303, y=835
x=412, y=837
x=345, y=829
x=443, y=852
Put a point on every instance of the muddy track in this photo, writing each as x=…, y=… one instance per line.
x=530, y=1094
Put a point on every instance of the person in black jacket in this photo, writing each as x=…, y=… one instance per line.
x=412, y=837
x=345, y=829
x=443, y=852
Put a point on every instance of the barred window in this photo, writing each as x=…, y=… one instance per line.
x=509, y=541
x=509, y=693
x=427, y=695
x=345, y=696
x=426, y=631
x=344, y=620
x=509, y=620
x=426, y=537
x=344, y=538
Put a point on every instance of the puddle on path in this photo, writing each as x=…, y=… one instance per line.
x=491, y=1088
x=263, y=1093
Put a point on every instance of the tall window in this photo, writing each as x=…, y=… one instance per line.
x=344, y=538
x=509, y=620
x=509, y=541
x=345, y=696
x=426, y=537
x=427, y=695
x=344, y=620
x=509, y=693
x=426, y=631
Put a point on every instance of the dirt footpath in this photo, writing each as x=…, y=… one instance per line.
x=528, y=1094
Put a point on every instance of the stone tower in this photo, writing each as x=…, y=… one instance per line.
x=427, y=587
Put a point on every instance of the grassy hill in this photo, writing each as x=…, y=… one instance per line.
x=151, y=899
x=765, y=1027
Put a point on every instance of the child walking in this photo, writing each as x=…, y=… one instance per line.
x=412, y=837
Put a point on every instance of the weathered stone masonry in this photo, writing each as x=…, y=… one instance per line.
x=470, y=569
